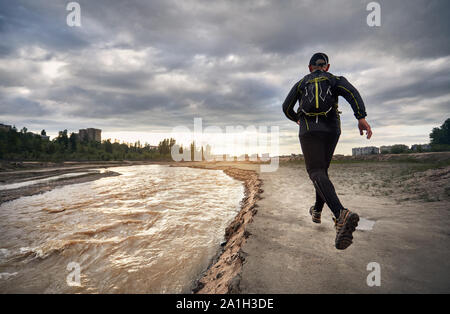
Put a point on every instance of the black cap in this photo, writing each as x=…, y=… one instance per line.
x=319, y=59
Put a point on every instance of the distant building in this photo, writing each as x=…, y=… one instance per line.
x=44, y=137
x=369, y=150
x=82, y=134
x=90, y=134
x=4, y=127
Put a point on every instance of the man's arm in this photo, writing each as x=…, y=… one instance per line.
x=289, y=103
x=351, y=94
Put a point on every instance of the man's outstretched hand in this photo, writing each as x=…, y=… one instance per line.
x=363, y=125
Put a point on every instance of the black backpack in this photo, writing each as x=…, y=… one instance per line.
x=317, y=94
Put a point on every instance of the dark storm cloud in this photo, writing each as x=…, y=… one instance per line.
x=156, y=64
x=21, y=106
x=35, y=22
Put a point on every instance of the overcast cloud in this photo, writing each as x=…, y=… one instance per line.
x=147, y=66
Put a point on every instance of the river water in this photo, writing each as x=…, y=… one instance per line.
x=153, y=229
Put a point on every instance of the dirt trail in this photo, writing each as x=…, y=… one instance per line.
x=287, y=253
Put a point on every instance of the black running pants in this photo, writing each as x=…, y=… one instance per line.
x=318, y=148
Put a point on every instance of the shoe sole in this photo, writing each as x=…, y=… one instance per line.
x=345, y=237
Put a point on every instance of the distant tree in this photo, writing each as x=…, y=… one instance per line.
x=72, y=142
x=63, y=140
x=108, y=146
x=196, y=152
x=441, y=135
x=43, y=133
x=399, y=149
x=137, y=144
x=24, y=130
x=165, y=146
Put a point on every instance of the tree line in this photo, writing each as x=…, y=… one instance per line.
x=439, y=142
x=26, y=146
x=441, y=136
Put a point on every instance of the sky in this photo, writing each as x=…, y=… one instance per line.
x=139, y=69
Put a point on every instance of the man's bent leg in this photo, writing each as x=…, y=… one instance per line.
x=326, y=190
x=329, y=151
x=318, y=206
x=313, y=149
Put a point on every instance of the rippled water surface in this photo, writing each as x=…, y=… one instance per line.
x=152, y=229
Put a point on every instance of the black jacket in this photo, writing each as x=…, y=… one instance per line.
x=331, y=122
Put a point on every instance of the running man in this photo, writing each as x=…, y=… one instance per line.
x=320, y=128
